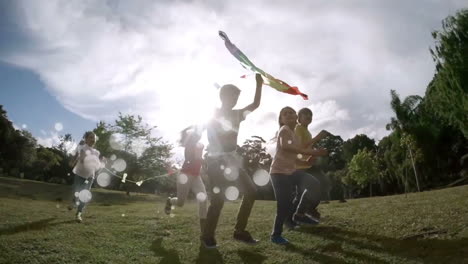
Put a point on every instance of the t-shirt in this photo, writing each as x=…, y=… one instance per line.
x=192, y=166
x=303, y=135
x=284, y=162
x=222, y=131
x=90, y=164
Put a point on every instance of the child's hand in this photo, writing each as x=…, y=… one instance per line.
x=258, y=78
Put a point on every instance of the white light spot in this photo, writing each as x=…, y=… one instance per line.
x=113, y=157
x=201, y=197
x=116, y=141
x=24, y=126
x=250, y=161
x=299, y=156
x=85, y=196
x=123, y=215
x=261, y=177
x=226, y=124
x=76, y=194
x=119, y=165
x=86, y=182
x=103, y=179
x=188, y=161
x=182, y=178
x=124, y=177
x=77, y=203
x=221, y=167
x=231, y=173
x=289, y=142
x=57, y=205
x=216, y=189
x=139, y=183
x=68, y=174
x=232, y=193
x=58, y=126
x=173, y=207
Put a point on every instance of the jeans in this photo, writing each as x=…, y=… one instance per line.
x=79, y=184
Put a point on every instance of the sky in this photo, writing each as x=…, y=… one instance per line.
x=65, y=65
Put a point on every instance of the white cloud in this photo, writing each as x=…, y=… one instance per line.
x=49, y=140
x=159, y=59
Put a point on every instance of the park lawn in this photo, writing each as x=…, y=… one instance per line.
x=36, y=227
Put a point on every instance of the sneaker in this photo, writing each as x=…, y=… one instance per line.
x=279, y=240
x=304, y=220
x=291, y=225
x=244, y=236
x=209, y=242
x=78, y=218
x=168, y=207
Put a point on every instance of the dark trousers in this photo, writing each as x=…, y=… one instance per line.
x=217, y=175
x=307, y=181
x=285, y=187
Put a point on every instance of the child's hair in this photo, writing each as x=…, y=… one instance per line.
x=281, y=112
x=304, y=111
x=187, y=134
x=87, y=134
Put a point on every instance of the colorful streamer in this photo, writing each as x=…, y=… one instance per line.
x=269, y=80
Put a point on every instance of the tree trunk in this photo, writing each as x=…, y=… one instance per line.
x=414, y=169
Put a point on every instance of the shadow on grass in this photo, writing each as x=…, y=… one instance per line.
x=321, y=258
x=209, y=256
x=425, y=250
x=168, y=256
x=251, y=257
x=37, y=225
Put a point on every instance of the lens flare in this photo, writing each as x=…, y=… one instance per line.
x=231, y=193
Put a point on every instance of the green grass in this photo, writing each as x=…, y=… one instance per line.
x=36, y=227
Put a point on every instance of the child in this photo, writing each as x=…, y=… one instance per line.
x=190, y=175
x=317, y=179
x=87, y=165
x=224, y=165
x=285, y=177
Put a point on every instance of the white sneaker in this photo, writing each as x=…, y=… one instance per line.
x=78, y=218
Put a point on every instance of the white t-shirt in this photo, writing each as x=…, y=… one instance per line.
x=90, y=164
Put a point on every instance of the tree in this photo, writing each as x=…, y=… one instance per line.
x=405, y=123
x=353, y=145
x=447, y=94
x=363, y=169
x=334, y=145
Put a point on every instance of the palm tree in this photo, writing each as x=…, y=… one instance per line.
x=405, y=122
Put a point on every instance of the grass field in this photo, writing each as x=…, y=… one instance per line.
x=36, y=227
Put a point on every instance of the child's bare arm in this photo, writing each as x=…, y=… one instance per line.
x=258, y=95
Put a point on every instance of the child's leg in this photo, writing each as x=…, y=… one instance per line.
x=182, y=191
x=199, y=187
x=249, y=189
x=215, y=175
x=283, y=188
x=84, y=184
